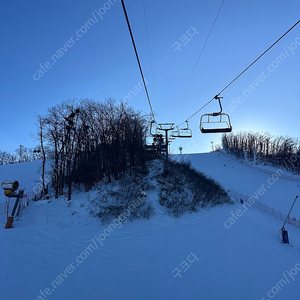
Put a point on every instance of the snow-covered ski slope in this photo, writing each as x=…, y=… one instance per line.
x=58, y=251
x=271, y=189
x=28, y=174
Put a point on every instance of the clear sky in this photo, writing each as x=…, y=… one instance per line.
x=51, y=51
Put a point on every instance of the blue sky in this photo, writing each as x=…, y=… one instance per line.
x=97, y=61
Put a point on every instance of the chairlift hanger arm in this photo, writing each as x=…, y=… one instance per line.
x=151, y=128
x=217, y=97
x=187, y=124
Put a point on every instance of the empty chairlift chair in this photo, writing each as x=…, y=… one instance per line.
x=217, y=122
x=185, y=132
x=174, y=133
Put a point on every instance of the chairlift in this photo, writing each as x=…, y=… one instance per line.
x=185, y=132
x=158, y=139
x=157, y=130
x=182, y=132
x=217, y=122
x=158, y=144
x=175, y=133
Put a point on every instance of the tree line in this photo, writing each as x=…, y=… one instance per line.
x=89, y=141
x=264, y=148
x=22, y=154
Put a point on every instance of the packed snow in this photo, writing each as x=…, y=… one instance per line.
x=276, y=192
x=59, y=251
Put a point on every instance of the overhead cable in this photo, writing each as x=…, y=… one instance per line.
x=242, y=72
x=137, y=57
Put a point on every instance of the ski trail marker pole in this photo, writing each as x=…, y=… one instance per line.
x=290, y=211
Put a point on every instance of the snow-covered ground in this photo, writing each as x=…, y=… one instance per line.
x=274, y=191
x=28, y=174
x=267, y=168
x=59, y=251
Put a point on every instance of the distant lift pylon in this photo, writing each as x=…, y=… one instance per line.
x=217, y=122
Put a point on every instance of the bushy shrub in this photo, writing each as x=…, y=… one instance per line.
x=183, y=189
x=124, y=197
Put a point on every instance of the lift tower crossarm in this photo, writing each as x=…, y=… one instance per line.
x=166, y=127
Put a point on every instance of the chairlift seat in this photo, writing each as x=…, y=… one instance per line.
x=185, y=133
x=223, y=122
x=156, y=148
x=216, y=130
